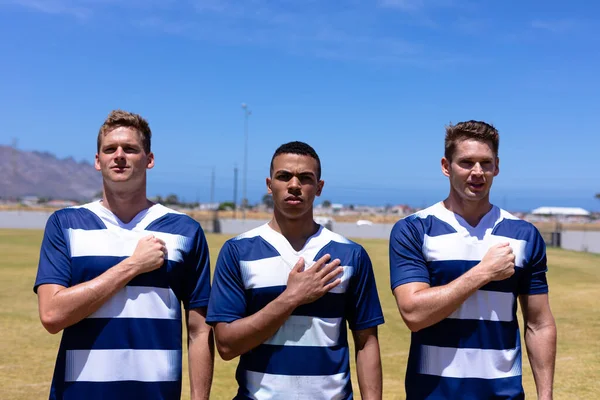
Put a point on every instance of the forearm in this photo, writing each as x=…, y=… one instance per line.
x=243, y=335
x=368, y=369
x=430, y=305
x=67, y=306
x=201, y=357
x=541, y=351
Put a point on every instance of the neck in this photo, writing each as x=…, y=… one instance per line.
x=470, y=211
x=125, y=204
x=296, y=231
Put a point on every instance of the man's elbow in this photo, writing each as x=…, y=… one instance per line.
x=412, y=320
x=51, y=322
x=226, y=351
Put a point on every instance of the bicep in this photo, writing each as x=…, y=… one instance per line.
x=536, y=310
x=363, y=337
x=405, y=294
x=196, y=321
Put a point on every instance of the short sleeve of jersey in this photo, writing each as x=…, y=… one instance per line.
x=407, y=263
x=227, y=298
x=197, y=274
x=364, y=309
x=534, y=279
x=55, y=263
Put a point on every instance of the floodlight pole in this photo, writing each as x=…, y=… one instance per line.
x=247, y=113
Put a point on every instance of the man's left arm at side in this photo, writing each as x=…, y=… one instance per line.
x=368, y=363
x=540, y=340
x=201, y=353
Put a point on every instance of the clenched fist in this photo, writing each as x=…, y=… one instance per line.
x=149, y=254
x=498, y=263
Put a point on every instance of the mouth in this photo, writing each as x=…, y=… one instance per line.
x=293, y=200
x=476, y=187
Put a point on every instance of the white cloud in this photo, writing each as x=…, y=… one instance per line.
x=556, y=26
x=347, y=30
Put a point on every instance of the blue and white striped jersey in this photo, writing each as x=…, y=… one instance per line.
x=475, y=353
x=308, y=356
x=131, y=347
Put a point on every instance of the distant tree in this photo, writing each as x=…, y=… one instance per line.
x=351, y=207
x=228, y=205
x=98, y=194
x=267, y=200
x=43, y=200
x=171, y=199
x=598, y=196
x=326, y=204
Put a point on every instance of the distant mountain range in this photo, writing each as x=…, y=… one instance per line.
x=33, y=173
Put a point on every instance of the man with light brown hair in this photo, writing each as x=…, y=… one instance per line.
x=457, y=269
x=113, y=274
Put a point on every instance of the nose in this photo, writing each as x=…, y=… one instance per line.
x=294, y=183
x=477, y=170
x=119, y=153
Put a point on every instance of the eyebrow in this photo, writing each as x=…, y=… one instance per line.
x=303, y=173
x=470, y=158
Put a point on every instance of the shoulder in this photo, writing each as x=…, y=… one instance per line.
x=77, y=217
x=251, y=244
x=339, y=246
x=167, y=220
x=431, y=221
x=512, y=227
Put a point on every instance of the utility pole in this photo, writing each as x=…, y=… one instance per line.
x=235, y=185
x=212, y=187
x=247, y=113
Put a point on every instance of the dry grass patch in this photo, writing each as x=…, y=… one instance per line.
x=27, y=351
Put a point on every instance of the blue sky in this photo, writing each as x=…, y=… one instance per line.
x=370, y=84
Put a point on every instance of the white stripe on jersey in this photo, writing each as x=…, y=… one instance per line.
x=315, y=387
x=486, y=306
x=455, y=246
x=105, y=242
x=274, y=271
x=141, y=302
x=469, y=363
x=123, y=365
x=299, y=330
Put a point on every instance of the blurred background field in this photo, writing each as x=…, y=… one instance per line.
x=27, y=351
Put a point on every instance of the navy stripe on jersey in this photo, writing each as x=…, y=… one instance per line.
x=79, y=218
x=122, y=390
x=328, y=306
x=256, y=248
x=296, y=360
x=514, y=229
x=344, y=252
x=177, y=224
x=444, y=272
x=432, y=226
x=89, y=267
x=435, y=387
x=474, y=334
x=117, y=333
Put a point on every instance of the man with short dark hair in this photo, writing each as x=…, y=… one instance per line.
x=457, y=269
x=113, y=274
x=283, y=292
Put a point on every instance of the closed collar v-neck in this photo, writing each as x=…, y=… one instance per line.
x=111, y=219
x=485, y=224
